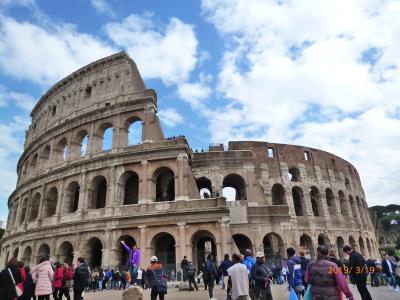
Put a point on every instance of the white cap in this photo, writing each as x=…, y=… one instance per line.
x=153, y=259
x=260, y=254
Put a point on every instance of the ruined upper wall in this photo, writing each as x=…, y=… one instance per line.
x=93, y=86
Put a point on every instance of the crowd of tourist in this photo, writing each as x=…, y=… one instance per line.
x=243, y=277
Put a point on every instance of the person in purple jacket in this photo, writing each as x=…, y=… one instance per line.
x=133, y=261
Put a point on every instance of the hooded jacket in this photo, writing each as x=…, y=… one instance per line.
x=43, y=274
x=292, y=262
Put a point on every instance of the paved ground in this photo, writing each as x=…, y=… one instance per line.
x=380, y=293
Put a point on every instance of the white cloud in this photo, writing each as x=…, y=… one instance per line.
x=194, y=93
x=300, y=72
x=103, y=7
x=170, y=117
x=29, y=51
x=23, y=101
x=166, y=52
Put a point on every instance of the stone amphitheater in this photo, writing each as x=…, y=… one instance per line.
x=79, y=195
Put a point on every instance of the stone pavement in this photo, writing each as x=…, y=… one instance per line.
x=380, y=293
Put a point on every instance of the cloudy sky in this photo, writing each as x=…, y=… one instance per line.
x=319, y=73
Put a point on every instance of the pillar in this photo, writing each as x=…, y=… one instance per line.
x=224, y=238
x=142, y=246
x=182, y=240
x=82, y=205
x=144, y=183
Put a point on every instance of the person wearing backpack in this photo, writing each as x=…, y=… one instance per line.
x=66, y=282
x=157, y=279
x=57, y=277
x=262, y=278
x=191, y=273
x=81, y=277
x=294, y=275
x=304, y=264
x=210, y=274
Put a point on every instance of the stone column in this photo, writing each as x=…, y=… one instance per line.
x=17, y=215
x=144, y=189
x=60, y=200
x=42, y=199
x=180, y=160
x=82, y=204
x=142, y=246
x=28, y=209
x=111, y=197
x=182, y=239
x=224, y=238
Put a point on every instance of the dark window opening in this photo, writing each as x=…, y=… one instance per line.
x=53, y=110
x=88, y=92
x=270, y=152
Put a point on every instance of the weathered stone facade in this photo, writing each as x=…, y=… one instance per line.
x=71, y=202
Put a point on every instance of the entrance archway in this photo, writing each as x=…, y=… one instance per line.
x=66, y=253
x=27, y=256
x=324, y=240
x=95, y=252
x=44, y=252
x=340, y=245
x=242, y=242
x=164, y=248
x=273, y=247
x=123, y=255
x=307, y=244
x=204, y=186
x=203, y=243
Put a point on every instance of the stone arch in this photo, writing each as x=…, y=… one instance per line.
x=204, y=186
x=278, y=194
x=340, y=244
x=369, y=248
x=24, y=209
x=330, y=201
x=242, y=242
x=323, y=239
x=203, y=243
x=134, y=130
x=65, y=253
x=98, y=192
x=27, y=256
x=81, y=142
x=34, y=164
x=236, y=182
x=15, y=253
x=298, y=200
x=35, y=203
x=307, y=244
x=129, y=185
x=163, y=246
x=60, y=151
x=342, y=202
x=352, y=242
x=50, y=202
x=294, y=174
x=362, y=246
x=43, y=252
x=315, y=197
x=72, y=197
x=94, y=248
x=273, y=246
x=122, y=254
x=164, y=180
x=45, y=157
x=106, y=135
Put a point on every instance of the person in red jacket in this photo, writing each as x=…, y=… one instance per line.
x=58, y=277
x=23, y=276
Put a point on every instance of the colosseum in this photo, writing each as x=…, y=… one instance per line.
x=78, y=195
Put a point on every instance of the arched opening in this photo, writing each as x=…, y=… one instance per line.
x=34, y=164
x=72, y=197
x=307, y=244
x=298, y=200
x=23, y=210
x=236, y=182
x=99, y=193
x=229, y=193
x=315, y=197
x=82, y=140
x=294, y=174
x=203, y=243
x=330, y=200
x=273, y=247
x=134, y=127
x=362, y=246
x=354, y=211
x=129, y=181
x=165, y=184
x=61, y=150
x=342, y=202
x=347, y=183
x=44, y=252
x=45, y=156
x=352, y=243
x=340, y=245
x=65, y=253
x=123, y=255
x=278, y=194
x=360, y=210
x=95, y=252
x=34, y=207
x=324, y=240
x=50, y=203
x=242, y=242
x=27, y=256
x=164, y=248
x=205, y=187
x=369, y=248
x=107, y=142
x=16, y=251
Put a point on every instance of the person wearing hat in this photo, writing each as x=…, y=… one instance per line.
x=262, y=278
x=157, y=279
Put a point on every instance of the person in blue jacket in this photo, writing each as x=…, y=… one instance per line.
x=294, y=275
x=249, y=262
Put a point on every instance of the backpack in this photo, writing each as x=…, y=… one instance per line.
x=191, y=272
x=69, y=274
x=160, y=281
x=297, y=275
